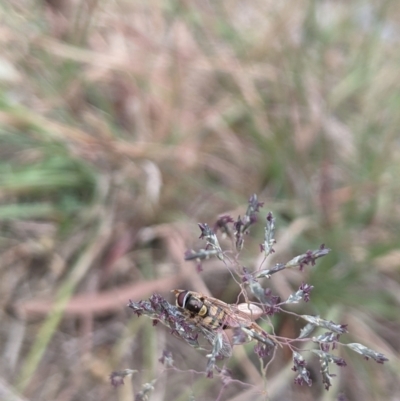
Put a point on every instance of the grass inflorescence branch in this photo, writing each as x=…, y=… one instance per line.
x=191, y=318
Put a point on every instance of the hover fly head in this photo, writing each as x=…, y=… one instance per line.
x=188, y=300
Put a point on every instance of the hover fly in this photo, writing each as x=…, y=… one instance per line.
x=212, y=316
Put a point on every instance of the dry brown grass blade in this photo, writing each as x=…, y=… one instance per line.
x=99, y=303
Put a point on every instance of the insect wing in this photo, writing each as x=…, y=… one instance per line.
x=241, y=315
x=237, y=317
x=234, y=317
x=253, y=311
x=212, y=337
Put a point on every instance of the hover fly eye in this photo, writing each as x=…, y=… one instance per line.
x=181, y=298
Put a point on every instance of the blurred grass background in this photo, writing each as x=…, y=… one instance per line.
x=123, y=124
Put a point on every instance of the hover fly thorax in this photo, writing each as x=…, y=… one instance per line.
x=211, y=315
